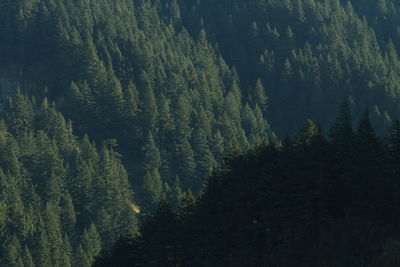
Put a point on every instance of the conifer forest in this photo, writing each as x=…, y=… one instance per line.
x=200, y=133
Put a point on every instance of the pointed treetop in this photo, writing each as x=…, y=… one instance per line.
x=343, y=126
x=366, y=132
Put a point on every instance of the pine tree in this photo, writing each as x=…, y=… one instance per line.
x=343, y=139
x=148, y=105
x=93, y=68
x=53, y=232
x=152, y=160
x=42, y=254
x=182, y=118
x=153, y=187
x=152, y=183
x=342, y=133
x=12, y=252
x=91, y=243
x=369, y=160
x=185, y=162
x=218, y=147
x=259, y=96
x=27, y=258
x=368, y=142
x=20, y=114
x=175, y=196
x=131, y=98
x=67, y=252
x=165, y=122
x=81, y=258
x=9, y=152
x=203, y=157
x=68, y=215
x=104, y=225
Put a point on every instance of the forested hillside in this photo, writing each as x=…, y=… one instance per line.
x=309, y=54
x=134, y=82
x=315, y=200
x=119, y=70
x=105, y=100
x=60, y=196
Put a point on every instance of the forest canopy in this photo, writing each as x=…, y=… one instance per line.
x=313, y=200
x=108, y=108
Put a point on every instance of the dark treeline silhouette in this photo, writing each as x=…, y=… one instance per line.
x=311, y=201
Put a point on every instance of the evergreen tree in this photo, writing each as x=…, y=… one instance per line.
x=27, y=258
x=284, y=205
x=68, y=216
x=40, y=220
x=260, y=96
x=91, y=243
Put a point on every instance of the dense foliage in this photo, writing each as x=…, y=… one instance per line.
x=165, y=89
x=312, y=201
x=60, y=196
x=118, y=70
x=309, y=54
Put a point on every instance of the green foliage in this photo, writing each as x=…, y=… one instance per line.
x=121, y=70
x=40, y=221
x=180, y=85
x=296, y=204
x=309, y=54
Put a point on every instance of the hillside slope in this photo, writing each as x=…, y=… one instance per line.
x=120, y=70
x=314, y=201
x=166, y=90
x=310, y=55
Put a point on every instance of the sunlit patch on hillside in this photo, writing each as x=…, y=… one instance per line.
x=135, y=208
